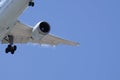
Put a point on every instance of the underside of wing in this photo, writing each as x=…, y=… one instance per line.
x=23, y=34
x=53, y=41
x=20, y=32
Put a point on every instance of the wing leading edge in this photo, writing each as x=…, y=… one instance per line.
x=22, y=34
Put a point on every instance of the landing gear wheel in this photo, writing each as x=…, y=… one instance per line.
x=15, y=47
x=11, y=49
x=6, y=50
x=31, y=4
x=9, y=46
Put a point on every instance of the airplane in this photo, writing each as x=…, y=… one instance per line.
x=12, y=31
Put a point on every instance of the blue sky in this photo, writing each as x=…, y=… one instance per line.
x=93, y=23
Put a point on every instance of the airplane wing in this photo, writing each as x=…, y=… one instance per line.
x=53, y=41
x=22, y=34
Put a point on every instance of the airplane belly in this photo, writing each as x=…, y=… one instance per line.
x=9, y=12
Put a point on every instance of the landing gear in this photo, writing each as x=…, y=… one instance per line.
x=31, y=3
x=10, y=48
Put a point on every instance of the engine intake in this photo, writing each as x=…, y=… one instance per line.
x=40, y=30
x=44, y=27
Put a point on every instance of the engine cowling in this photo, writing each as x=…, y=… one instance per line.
x=40, y=30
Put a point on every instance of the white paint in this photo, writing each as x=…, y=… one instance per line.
x=10, y=10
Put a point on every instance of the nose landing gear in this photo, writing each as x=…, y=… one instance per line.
x=31, y=3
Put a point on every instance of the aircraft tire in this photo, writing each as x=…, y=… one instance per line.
x=15, y=48
x=12, y=51
x=6, y=50
x=31, y=4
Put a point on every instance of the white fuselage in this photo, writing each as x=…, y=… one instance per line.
x=10, y=10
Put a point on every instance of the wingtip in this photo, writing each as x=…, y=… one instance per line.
x=75, y=44
x=78, y=44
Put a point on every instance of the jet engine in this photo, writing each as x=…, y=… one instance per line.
x=40, y=30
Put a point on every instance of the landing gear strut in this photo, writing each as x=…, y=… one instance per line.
x=10, y=48
x=31, y=3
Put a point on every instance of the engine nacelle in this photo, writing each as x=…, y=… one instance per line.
x=40, y=30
